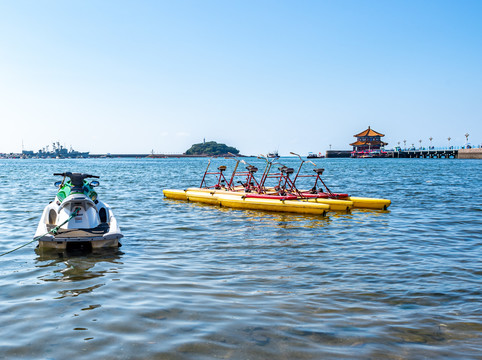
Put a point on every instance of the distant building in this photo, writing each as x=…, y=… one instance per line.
x=367, y=141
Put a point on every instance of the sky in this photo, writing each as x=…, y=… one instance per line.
x=118, y=76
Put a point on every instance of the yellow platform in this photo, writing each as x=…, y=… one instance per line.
x=335, y=204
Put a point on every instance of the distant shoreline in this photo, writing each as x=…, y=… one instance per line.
x=474, y=153
x=155, y=156
x=107, y=156
x=140, y=155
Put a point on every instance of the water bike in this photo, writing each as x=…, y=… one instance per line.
x=282, y=195
x=76, y=218
x=323, y=193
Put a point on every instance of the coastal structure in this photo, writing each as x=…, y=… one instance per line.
x=447, y=153
x=368, y=143
x=472, y=153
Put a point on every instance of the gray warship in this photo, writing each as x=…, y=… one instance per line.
x=57, y=152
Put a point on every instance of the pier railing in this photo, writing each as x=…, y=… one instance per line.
x=445, y=153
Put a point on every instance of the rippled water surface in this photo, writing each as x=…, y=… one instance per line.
x=195, y=281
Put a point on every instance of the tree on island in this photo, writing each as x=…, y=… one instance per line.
x=211, y=148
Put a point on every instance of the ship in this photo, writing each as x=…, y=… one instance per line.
x=314, y=155
x=58, y=152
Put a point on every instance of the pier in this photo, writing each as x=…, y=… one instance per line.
x=442, y=153
x=338, y=153
x=423, y=153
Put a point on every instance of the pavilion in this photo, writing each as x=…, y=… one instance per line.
x=367, y=141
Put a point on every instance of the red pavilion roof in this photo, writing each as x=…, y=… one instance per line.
x=368, y=132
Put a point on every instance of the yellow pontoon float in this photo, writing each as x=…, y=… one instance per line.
x=238, y=201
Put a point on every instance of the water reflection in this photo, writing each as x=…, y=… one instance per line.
x=284, y=220
x=78, y=266
x=77, y=292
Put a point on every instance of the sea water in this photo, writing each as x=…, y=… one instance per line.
x=194, y=281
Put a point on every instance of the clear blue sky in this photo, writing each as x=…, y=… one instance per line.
x=135, y=76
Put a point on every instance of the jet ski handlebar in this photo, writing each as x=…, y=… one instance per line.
x=77, y=178
x=69, y=174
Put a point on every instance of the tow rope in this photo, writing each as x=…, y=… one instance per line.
x=54, y=231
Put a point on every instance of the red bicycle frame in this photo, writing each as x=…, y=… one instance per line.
x=221, y=180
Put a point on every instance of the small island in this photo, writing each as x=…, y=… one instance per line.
x=211, y=148
x=204, y=149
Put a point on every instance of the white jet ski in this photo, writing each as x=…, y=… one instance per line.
x=76, y=218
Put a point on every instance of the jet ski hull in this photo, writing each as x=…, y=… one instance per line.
x=94, y=224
